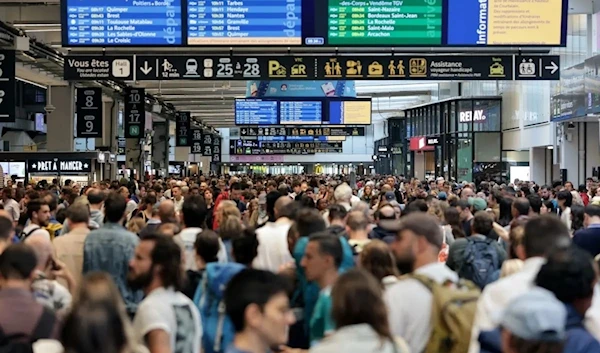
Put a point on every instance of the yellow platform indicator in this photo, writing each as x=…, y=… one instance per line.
x=276, y=69
x=354, y=68
x=333, y=68
x=418, y=67
x=396, y=69
x=375, y=69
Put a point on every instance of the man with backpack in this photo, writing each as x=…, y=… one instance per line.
x=38, y=213
x=432, y=289
x=478, y=258
x=22, y=319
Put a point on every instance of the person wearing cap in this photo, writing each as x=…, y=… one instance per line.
x=532, y=322
x=385, y=217
x=442, y=196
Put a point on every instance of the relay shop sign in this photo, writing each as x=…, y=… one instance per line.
x=350, y=67
x=135, y=112
x=477, y=115
x=59, y=166
x=89, y=112
x=7, y=86
x=82, y=68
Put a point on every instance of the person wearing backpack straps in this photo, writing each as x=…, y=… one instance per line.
x=38, y=213
x=423, y=306
x=478, y=258
x=22, y=319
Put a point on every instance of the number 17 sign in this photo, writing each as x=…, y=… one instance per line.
x=135, y=112
x=89, y=112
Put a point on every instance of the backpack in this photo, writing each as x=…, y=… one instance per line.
x=480, y=264
x=452, y=314
x=217, y=327
x=22, y=343
x=23, y=235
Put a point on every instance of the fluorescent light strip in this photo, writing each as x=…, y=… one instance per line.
x=32, y=83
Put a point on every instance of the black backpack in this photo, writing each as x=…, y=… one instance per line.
x=23, y=235
x=22, y=343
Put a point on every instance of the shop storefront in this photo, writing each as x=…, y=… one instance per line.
x=458, y=138
x=80, y=167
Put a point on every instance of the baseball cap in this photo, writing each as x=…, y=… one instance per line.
x=477, y=203
x=390, y=196
x=442, y=196
x=536, y=315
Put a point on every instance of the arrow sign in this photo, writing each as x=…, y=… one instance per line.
x=552, y=67
x=146, y=69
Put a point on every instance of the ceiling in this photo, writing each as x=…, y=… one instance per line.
x=212, y=102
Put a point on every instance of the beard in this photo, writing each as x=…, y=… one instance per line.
x=140, y=281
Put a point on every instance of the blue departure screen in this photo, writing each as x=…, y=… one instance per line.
x=255, y=112
x=123, y=22
x=244, y=22
x=301, y=112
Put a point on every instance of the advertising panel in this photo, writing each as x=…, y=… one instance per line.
x=260, y=89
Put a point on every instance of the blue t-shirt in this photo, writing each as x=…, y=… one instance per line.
x=321, y=322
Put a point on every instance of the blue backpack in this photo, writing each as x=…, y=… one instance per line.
x=481, y=264
x=218, y=331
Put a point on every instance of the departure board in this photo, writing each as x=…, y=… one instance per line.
x=256, y=112
x=385, y=22
x=355, y=112
x=244, y=22
x=123, y=23
x=301, y=112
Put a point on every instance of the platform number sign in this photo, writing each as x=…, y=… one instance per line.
x=216, y=150
x=183, y=128
x=89, y=112
x=135, y=112
x=7, y=86
x=207, y=144
x=196, y=140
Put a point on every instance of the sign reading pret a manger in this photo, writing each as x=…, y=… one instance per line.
x=63, y=166
x=85, y=68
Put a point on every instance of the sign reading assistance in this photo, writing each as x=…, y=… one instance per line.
x=505, y=22
x=379, y=22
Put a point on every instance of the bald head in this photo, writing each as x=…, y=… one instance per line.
x=42, y=246
x=386, y=212
x=166, y=211
x=280, y=204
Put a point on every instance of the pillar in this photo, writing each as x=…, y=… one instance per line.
x=160, y=147
x=61, y=122
x=537, y=165
x=569, y=153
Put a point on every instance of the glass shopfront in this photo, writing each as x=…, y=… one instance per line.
x=458, y=139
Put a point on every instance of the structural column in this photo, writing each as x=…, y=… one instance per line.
x=160, y=146
x=61, y=122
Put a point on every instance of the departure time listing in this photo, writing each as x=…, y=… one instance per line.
x=385, y=22
x=124, y=22
x=244, y=22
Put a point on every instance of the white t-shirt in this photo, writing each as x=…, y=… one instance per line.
x=187, y=239
x=38, y=231
x=170, y=311
x=273, y=249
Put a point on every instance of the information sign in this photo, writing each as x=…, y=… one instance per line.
x=135, y=112
x=89, y=112
x=182, y=129
x=7, y=86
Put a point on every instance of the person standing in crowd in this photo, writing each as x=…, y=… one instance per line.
x=589, y=238
x=166, y=320
x=416, y=248
x=466, y=216
x=273, y=250
x=178, y=198
x=20, y=313
x=377, y=258
x=357, y=225
x=541, y=236
x=359, y=328
x=110, y=248
x=565, y=201
x=257, y=304
x=164, y=213
x=7, y=230
x=192, y=216
x=384, y=217
x=95, y=203
x=321, y=262
x=38, y=213
x=68, y=248
x=10, y=205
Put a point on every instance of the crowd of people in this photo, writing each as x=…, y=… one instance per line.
x=299, y=263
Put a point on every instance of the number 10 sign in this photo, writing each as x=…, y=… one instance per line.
x=89, y=112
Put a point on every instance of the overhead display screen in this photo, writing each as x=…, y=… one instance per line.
x=301, y=112
x=256, y=112
x=290, y=23
x=122, y=23
x=244, y=22
x=381, y=22
x=350, y=112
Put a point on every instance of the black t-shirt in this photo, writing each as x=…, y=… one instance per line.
x=467, y=227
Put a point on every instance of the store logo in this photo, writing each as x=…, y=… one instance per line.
x=422, y=143
x=434, y=141
x=476, y=115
